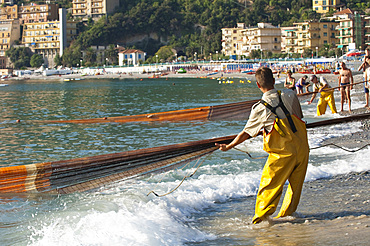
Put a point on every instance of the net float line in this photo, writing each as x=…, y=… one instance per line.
x=87, y=173
x=231, y=111
x=239, y=110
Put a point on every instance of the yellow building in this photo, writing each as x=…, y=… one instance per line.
x=324, y=6
x=9, y=12
x=310, y=35
x=10, y=31
x=241, y=40
x=45, y=38
x=232, y=40
x=38, y=13
x=93, y=8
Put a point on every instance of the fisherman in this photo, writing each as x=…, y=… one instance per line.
x=326, y=97
x=285, y=139
x=365, y=66
x=302, y=83
x=345, y=81
x=289, y=81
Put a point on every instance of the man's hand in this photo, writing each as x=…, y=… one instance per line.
x=222, y=147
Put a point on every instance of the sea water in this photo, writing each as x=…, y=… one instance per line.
x=206, y=209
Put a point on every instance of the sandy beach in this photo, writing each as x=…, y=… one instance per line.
x=345, y=217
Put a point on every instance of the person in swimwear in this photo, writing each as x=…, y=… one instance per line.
x=279, y=115
x=345, y=81
x=289, y=81
x=302, y=82
x=365, y=66
x=326, y=95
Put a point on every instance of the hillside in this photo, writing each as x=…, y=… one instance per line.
x=188, y=26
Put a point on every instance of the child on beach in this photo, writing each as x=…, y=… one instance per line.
x=302, y=83
x=285, y=139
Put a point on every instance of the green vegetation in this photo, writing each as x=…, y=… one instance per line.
x=36, y=60
x=186, y=26
x=20, y=57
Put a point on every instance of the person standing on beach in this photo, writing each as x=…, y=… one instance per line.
x=365, y=66
x=289, y=81
x=279, y=114
x=345, y=81
x=326, y=95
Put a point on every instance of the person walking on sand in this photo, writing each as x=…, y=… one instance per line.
x=365, y=66
x=289, y=81
x=279, y=114
x=326, y=97
x=345, y=81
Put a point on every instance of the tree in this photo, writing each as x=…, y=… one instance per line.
x=57, y=60
x=165, y=53
x=112, y=54
x=72, y=56
x=20, y=57
x=36, y=60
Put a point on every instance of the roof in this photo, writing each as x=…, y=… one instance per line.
x=131, y=51
x=344, y=12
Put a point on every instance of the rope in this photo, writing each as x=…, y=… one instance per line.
x=340, y=147
x=333, y=88
x=183, y=179
x=255, y=158
x=325, y=145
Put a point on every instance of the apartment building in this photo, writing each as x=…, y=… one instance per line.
x=232, y=40
x=366, y=32
x=10, y=31
x=47, y=38
x=264, y=37
x=310, y=35
x=93, y=8
x=241, y=40
x=351, y=30
x=38, y=13
x=324, y=6
x=9, y=12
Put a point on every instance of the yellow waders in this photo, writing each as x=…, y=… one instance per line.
x=327, y=97
x=288, y=160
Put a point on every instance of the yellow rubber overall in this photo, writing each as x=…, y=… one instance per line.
x=288, y=160
x=326, y=98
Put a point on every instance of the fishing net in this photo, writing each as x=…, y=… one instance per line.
x=88, y=173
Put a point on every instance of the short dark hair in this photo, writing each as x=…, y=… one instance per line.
x=313, y=77
x=264, y=77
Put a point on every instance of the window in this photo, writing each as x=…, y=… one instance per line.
x=324, y=8
x=323, y=2
x=139, y=56
x=325, y=34
x=325, y=26
x=325, y=41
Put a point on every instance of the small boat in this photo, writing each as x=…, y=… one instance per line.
x=3, y=84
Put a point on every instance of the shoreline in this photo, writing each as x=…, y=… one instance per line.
x=190, y=74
